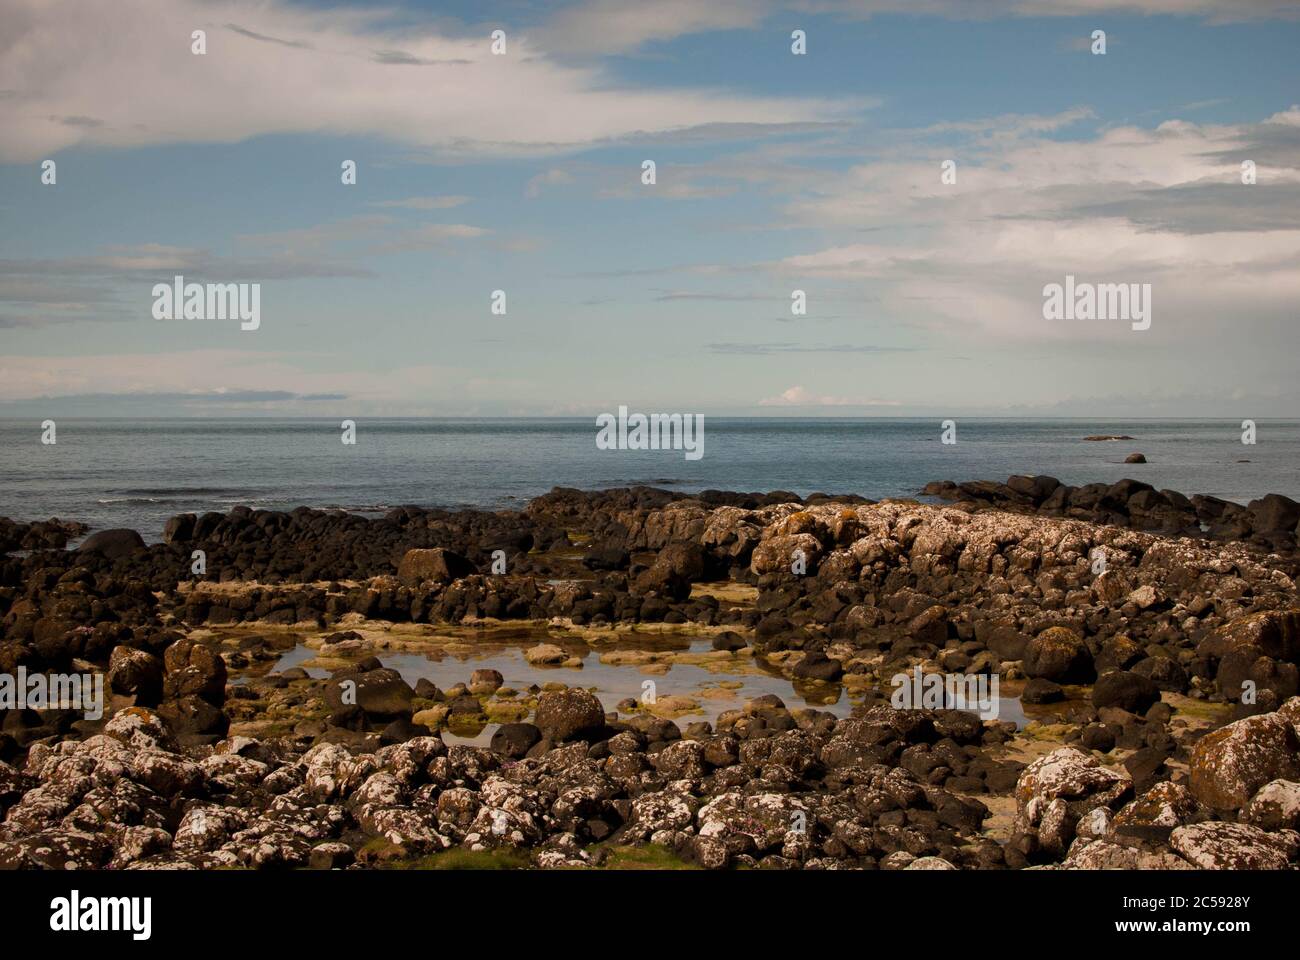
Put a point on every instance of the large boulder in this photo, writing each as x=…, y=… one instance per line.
x=1128, y=691
x=762, y=822
x=194, y=716
x=380, y=692
x=514, y=740
x=545, y=653
x=1232, y=846
x=1274, y=513
x=1071, y=775
x=685, y=559
x=569, y=714
x=1165, y=672
x=817, y=666
x=194, y=669
x=1229, y=765
x=1109, y=855
x=609, y=556
x=436, y=565
x=1060, y=655
x=1036, y=488
x=1275, y=807
x=1239, y=646
x=1056, y=791
x=112, y=544
x=1157, y=812
x=787, y=553
x=180, y=528
x=485, y=681
x=136, y=673
x=663, y=582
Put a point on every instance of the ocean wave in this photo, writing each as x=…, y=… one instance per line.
x=185, y=491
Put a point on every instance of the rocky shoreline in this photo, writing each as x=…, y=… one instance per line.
x=1159, y=632
x=1270, y=522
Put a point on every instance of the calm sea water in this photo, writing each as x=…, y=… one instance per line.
x=114, y=473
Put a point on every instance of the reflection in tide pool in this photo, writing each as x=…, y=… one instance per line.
x=714, y=686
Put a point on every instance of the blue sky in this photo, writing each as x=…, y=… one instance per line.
x=775, y=172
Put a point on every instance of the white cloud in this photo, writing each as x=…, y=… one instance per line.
x=1163, y=206
x=617, y=26
x=798, y=396
x=424, y=203
x=123, y=75
x=607, y=27
x=549, y=178
x=1215, y=10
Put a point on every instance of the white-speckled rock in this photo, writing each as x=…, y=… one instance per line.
x=1232, y=846
x=1275, y=807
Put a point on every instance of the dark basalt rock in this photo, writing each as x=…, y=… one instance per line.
x=377, y=692
x=1126, y=690
x=1271, y=520
x=113, y=544
x=569, y=714
x=1040, y=690
x=817, y=666
x=514, y=740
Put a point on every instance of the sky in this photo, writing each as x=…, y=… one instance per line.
x=775, y=172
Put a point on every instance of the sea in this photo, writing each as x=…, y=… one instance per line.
x=138, y=473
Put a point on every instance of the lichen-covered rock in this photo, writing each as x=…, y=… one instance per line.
x=404, y=827
x=134, y=843
x=207, y=827
x=683, y=760
x=1276, y=806
x=1102, y=854
x=1071, y=775
x=1290, y=712
x=333, y=772
x=1233, y=846
x=1238, y=647
x=1060, y=655
x=380, y=693
x=231, y=771
x=569, y=714
x=1229, y=765
x=166, y=774
x=544, y=653
x=436, y=565
x=929, y=863
x=56, y=850
x=194, y=669
x=140, y=728
x=666, y=811
x=757, y=823
x=135, y=673
x=786, y=553
x=1156, y=813
x=1056, y=791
